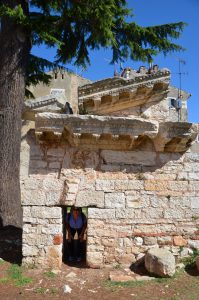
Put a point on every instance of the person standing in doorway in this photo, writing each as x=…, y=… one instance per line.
x=76, y=223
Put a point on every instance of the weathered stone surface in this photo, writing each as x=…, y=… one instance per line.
x=38, y=164
x=152, y=213
x=174, y=214
x=96, y=125
x=192, y=157
x=129, y=157
x=58, y=239
x=108, y=242
x=125, y=213
x=135, y=201
x=52, y=184
x=160, y=262
x=56, y=152
x=178, y=185
x=51, y=229
x=138, y=241
x=126, y=259
x=164, y=240
x=150, y=240
x=186, y=252
x=105, y=185
x=135, y=185
x=90, y=198
x=56, y=165
x=39, y=240
x=144, y=278
x=72, y=188
x=124, y=133
x=193, y=176
x=31, y=183
x=159, y=202
x=29, y=250
x=194, y=244
x=24, y=159
x=183, y=202
x=170, y=132
x=114, y=200
x=156, y=185
x=95, y=248
x=121, y=185
x=119, y=276
x=45, y=212
x=53, y=198
x=179, y=241
x=33, y=197
x=39, y=191
x=195, y=202
x=54, y=256
x=94, y=259
x=96, y=213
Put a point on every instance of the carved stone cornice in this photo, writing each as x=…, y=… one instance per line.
x=116, y=133
x=125, y=99
x=116, y=84
x=48, y=103
x=40, y=102
x=175, y=136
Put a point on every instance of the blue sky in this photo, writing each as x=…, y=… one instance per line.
x=155, y=12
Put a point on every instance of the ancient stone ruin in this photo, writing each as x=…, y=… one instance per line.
x=128, y=155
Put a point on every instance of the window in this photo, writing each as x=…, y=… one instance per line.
x=174, y=103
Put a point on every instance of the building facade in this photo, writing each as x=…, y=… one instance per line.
x=129, y=157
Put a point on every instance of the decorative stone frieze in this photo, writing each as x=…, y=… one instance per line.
x=50, y=103
x=126, y=99
x=114, y=85
x=101, y=132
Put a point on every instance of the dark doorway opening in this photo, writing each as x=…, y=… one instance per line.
x=11, y=244
x=74, y=249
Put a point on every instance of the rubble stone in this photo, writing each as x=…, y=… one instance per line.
x=160, y=262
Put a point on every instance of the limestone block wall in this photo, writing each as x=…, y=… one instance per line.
x=135, y=199
x=42, y=235
x=160, y=111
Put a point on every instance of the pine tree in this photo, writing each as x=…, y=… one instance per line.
x=74, y=27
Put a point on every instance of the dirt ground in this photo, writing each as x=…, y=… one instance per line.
x=78, y=282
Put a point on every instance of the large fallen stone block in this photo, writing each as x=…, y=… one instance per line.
x=160, y=262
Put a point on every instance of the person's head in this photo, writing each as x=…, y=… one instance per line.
x=75, y=210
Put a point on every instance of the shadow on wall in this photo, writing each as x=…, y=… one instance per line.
x=11, y=244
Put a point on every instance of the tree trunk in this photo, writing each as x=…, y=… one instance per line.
x=13, y=62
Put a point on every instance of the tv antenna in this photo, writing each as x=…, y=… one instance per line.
x=180, y=73
x=179, y=95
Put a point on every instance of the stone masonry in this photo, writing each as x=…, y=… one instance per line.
x=138, y=177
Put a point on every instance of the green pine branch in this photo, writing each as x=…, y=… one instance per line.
x=75, y=27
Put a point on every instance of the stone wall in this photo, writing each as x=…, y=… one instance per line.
x=160, y=111
x=135, y=199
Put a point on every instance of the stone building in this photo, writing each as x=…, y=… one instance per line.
x=129, y=157
x=63, y=82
